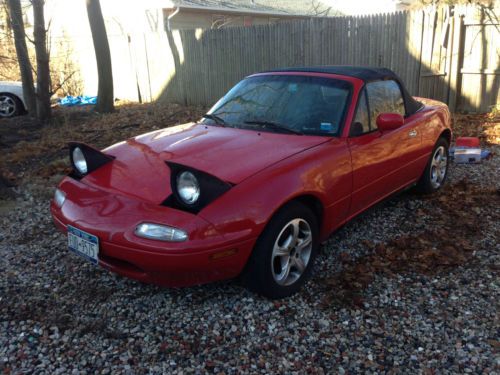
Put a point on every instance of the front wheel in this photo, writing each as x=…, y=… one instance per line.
x=284, y=254
x=436, y=171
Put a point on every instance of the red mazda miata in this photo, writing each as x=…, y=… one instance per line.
x=253, y=188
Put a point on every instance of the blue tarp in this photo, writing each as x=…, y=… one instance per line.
x=70, y=101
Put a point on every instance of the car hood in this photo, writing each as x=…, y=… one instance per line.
x=227, y=153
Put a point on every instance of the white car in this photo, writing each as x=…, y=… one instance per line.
x=11, y=99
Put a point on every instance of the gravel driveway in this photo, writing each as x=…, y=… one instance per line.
x=60, y=314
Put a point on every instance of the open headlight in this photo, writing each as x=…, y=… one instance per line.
x=79, y=160
x=193, y=189
x=188, y=187
x=86, y=159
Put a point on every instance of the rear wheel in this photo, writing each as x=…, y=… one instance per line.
x=436, y=171
x=10, y=105
x=284, y=255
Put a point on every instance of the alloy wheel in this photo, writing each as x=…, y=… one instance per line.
x=7, y=106
x=439, y=166
x=291, y=252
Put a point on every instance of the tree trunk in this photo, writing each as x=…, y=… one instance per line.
x=42, y=62
x=5, y=17
x=16, y=16
x=105, y=98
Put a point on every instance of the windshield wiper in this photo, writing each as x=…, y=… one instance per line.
x=218, y=120
x=273, y=125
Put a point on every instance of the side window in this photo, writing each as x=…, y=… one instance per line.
x=361, y=123
x=384, y=97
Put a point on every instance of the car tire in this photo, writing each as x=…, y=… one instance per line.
x=436, y=171
x=10, y=105
x=283, y=257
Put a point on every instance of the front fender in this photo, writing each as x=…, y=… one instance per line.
x=323, y=171
x=14, y=90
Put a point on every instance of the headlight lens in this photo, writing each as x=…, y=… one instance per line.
x=79, y=161
x=59, y=198
x=192, y=189
x=188, y=187
x=160, y=232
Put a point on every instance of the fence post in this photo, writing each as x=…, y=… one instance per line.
x=457, y=49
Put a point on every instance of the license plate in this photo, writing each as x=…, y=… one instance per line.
x=83, y=243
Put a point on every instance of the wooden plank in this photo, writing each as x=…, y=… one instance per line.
x=400, y=46
x=374, y=35
x=385, y=43
x=480, y=71
x=366, y=49
x=392, y=38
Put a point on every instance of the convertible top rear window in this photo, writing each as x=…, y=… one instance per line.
x=301, y=104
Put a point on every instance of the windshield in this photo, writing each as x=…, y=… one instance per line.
x=295, y=104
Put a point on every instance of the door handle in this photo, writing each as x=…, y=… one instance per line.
x=412, y=133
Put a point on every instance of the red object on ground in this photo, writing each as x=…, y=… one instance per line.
x=472, y=142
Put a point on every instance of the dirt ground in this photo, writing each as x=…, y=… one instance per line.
x=41, y=150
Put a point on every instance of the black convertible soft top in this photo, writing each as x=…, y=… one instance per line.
x=367, y=74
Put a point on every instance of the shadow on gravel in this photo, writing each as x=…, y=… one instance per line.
x=460, y=216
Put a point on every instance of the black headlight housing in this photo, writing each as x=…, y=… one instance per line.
x=94, y=159
x=210, y=187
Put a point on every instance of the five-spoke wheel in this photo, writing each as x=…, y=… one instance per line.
x=439, y=166
x=283, y=257
x=291, y=252
x=9, y=105
x=436, y=170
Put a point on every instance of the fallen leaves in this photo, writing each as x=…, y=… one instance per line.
x=457, y=221
x=40, y=149
x=485, y=126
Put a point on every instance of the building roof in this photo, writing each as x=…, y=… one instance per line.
x=366, y=74
x=283, y=7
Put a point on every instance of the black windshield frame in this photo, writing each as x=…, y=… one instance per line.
x=321, y=81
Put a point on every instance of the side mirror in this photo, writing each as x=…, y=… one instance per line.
x=389, y=121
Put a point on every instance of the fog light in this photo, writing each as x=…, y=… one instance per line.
x=160, y=232
x=59, y=198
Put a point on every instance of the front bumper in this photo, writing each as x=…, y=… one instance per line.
x=205, y=257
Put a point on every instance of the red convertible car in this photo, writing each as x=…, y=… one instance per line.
x=280, y=162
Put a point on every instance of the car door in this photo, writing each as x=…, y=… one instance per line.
x=379, y=159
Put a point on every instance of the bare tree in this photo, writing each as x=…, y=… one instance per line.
x=219, y=22
x=105, y=98
x=42, y=62
x=16, y=18
x=5, y=17
x=319, y=9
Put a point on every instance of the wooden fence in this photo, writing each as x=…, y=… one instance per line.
x=450, y=54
